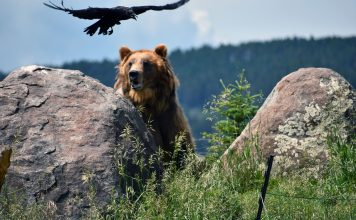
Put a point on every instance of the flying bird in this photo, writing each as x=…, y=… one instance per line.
x=108, y=17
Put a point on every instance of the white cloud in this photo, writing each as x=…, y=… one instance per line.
x=32, y=33
x=201, y=19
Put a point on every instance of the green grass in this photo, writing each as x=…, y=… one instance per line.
x=300, y=198
x=14, y=207
x=210, y=191
x=332, y=196
x=215, y=192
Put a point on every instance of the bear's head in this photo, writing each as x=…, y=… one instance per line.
x=146, y=77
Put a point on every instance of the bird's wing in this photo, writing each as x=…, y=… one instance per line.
x=141, y=9
x=89, y=13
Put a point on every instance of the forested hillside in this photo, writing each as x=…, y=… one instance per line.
x=265, y=63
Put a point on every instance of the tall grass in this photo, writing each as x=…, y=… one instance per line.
x=13, y=206
x=216, y=192
x=211, y=191
x=333, y=196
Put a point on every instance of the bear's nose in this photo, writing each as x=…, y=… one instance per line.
x=133, y=74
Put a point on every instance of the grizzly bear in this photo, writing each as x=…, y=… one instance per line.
x=146, y=78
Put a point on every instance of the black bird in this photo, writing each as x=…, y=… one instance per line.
x=108, y=17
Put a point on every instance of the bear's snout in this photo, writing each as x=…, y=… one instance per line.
x=133, y=75
x=134, y=79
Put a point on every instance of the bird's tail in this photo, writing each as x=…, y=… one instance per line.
x=92, y=28
x=103, y=27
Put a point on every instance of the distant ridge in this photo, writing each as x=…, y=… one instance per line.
x=265, y=64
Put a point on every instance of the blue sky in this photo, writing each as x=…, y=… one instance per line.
x=34, y=34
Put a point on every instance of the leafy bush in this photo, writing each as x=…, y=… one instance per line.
x=230, y=111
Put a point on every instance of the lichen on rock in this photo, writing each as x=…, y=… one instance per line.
x=297, y=117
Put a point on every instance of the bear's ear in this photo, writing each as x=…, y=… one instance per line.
x=161, y=50
x=124, y=51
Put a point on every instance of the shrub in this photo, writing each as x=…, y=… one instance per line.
x=230, y=111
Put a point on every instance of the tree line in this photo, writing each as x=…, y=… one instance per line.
x=264, y=63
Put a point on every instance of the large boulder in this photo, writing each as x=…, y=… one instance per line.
x=296, y=118
x=68, y=134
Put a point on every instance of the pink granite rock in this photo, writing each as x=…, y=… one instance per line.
x=294, y=121
x=65, y=130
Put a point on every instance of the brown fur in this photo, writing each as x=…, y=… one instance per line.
x=156, y=94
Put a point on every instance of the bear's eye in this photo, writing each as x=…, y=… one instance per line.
x=130, y=63
x=146, y=63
